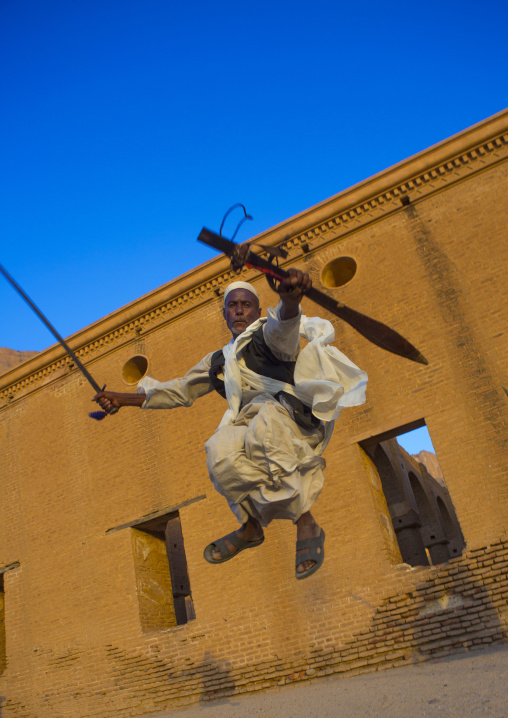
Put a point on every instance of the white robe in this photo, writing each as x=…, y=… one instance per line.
x=259, y=459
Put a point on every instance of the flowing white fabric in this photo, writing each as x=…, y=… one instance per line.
x=325, y=379
x=265, y=464
x=232, y=375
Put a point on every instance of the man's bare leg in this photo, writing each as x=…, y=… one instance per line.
x=249, y=531
x=306, y=528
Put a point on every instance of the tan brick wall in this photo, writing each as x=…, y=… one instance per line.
x=3, y=653
x=78, y=640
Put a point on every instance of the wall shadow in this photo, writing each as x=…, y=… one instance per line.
x=216, y=680
x=453, y=609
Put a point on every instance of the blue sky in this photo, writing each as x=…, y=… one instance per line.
x=126, y=126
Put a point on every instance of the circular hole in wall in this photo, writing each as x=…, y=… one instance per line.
x=134, y=369
x=338, y=272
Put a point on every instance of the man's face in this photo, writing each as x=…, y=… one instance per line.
x=241, y=310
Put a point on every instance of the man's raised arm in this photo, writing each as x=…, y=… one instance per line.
x=291, y=291
x=282, y=330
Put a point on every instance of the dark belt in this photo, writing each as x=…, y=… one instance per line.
x=298, y=411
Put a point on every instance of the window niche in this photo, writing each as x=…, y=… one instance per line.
x=3, y=651
x=3, y=640
x=134, y=369
x=338, y=272
x=420, y=507
x=162, y=579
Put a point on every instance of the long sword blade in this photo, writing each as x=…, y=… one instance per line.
x=53, y=331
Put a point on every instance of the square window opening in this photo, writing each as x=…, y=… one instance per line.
x=3, y=648
x=162, y=577
x=419, y=505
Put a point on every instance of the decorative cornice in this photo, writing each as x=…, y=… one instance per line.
x=394, y=197
x=449, y=162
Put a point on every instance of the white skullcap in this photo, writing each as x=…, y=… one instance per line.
x=240, y=285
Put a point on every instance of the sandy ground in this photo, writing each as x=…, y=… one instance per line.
x=466, y=685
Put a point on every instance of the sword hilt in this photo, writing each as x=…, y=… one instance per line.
x=100, y=415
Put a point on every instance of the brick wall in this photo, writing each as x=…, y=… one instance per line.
x=83, y=633
x=438, y=611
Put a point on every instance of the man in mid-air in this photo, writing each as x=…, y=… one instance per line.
x=266, y=456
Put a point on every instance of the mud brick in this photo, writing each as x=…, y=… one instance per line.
x=93, y=622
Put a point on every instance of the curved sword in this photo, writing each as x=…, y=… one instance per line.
x=376, y=332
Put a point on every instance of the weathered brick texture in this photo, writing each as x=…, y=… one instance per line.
x=89, y=626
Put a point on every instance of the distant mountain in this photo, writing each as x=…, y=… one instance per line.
x=429, y=460
x=9, y=358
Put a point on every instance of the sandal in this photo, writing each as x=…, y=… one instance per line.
x=312, y=554
x=221, y=545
